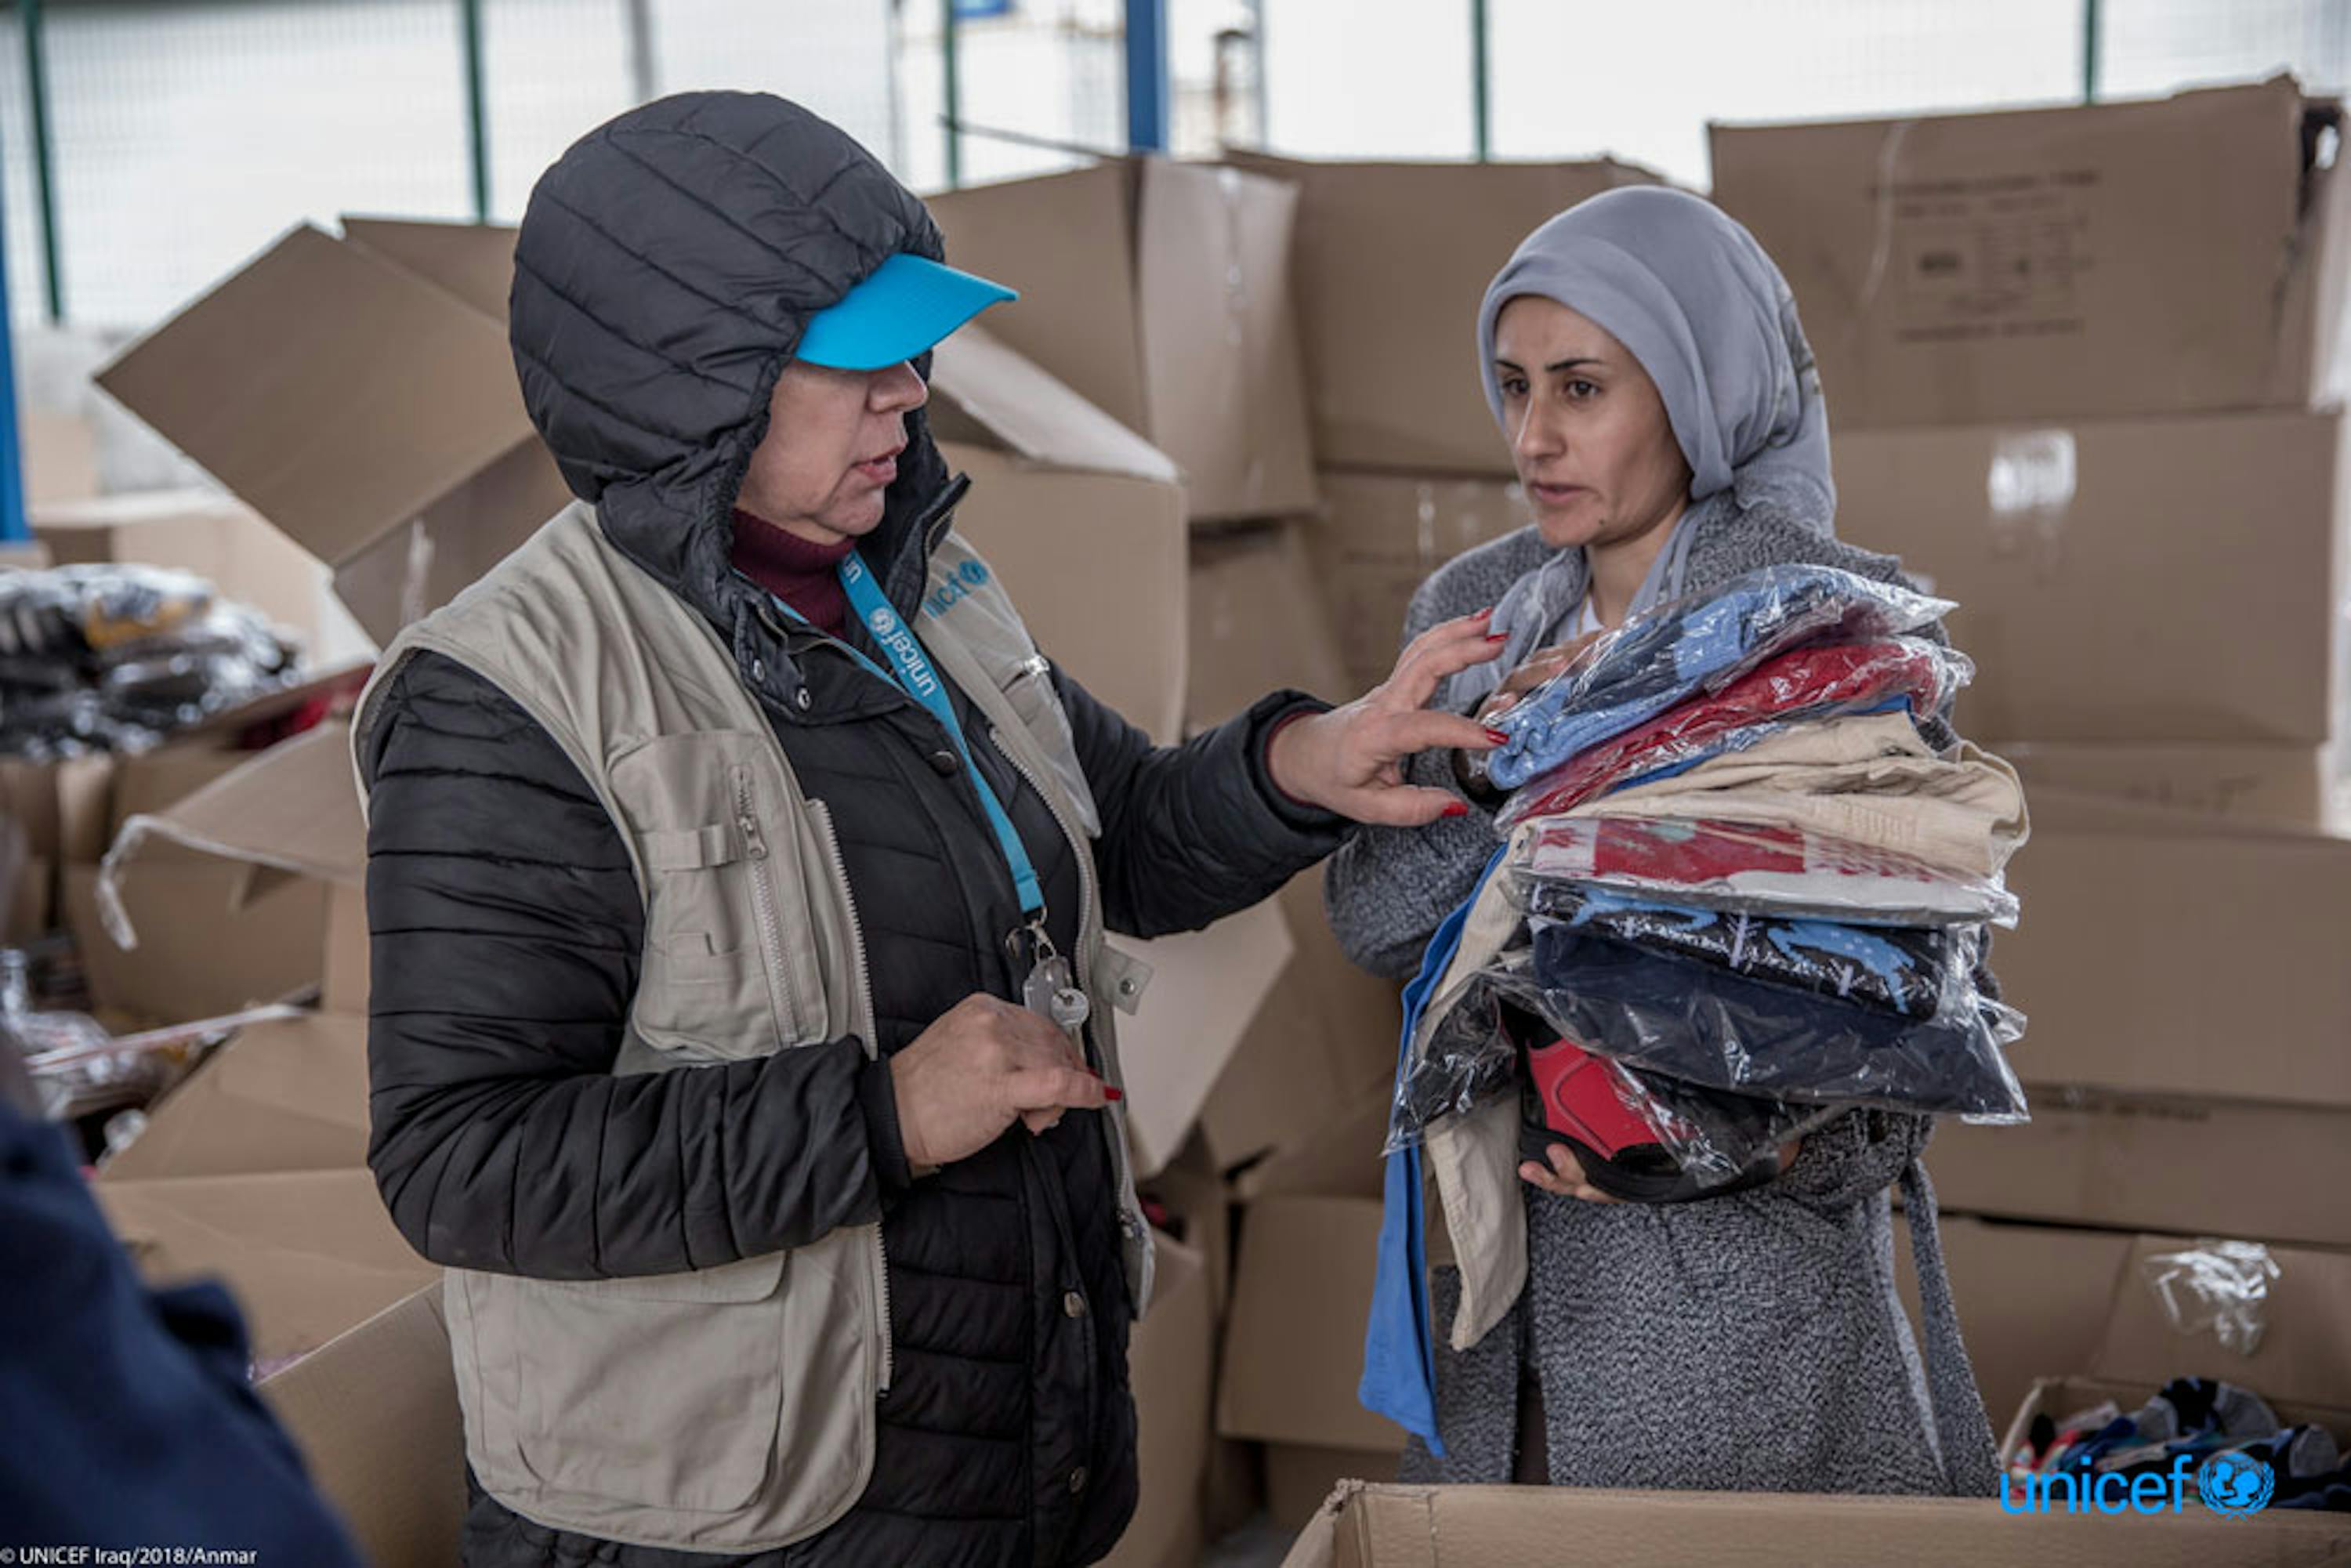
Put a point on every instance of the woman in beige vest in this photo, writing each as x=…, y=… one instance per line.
x=742, y=1031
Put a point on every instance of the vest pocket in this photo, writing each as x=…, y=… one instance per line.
x=728, y=972
x=666, y=1391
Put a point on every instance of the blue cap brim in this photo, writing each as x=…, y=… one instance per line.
x=901, y=310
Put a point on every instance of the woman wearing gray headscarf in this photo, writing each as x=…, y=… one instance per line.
x=1643, y=356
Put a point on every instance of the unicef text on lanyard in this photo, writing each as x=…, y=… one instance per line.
x=1051, y=988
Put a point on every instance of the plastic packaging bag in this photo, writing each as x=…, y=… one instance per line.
x=2224, y=1286
x=1757, y=867
x=1723, y=1030
x=116, y=657
x=1695, y=644
x=1477, y=1051
x=1904, y=971
x=1814, y=682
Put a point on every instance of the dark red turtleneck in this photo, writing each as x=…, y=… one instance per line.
x=800, y=573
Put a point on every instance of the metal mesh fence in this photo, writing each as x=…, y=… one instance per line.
x=185, y=134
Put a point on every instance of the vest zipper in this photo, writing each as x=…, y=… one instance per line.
x=763, y=901
x=824, y=816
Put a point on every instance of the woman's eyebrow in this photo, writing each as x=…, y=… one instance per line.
x=1557, y=365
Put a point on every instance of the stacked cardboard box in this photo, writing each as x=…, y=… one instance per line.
x=2079, y=363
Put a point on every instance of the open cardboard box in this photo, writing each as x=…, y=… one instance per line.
x=375, y=1414
x=1540, y=1527
x=2041, y=1300
x=1390, y=263
x=2069, y=548
x=1081, y=518
x=358, y=393
x=1161, y=292
x=223, y=899
x=2181, y=255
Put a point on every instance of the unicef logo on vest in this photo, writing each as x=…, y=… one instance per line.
x=2236, y=1486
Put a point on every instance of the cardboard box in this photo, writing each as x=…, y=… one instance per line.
x=60, y=456
x=2041, y=1300
x=217, y=538
x=2075, y=550
x=289, y=1095
x=2290, y=787
x=1327, y=1031
x=1171, y=1365
x=1063, y=501
x=2032, y=1300
x=1525, y=1527
x=2132, y=258
x=1329, y=1028
x=375, y=1414
x=31, y=901
x=2164, y=954
x=1342, y=1159
x=1378, y=537
x=1258, y=623
x=1294, y=1345
x=1159, y=291
x=2147, y=1161
x=2060, y=1397
x=308, y=1254
x=1205, y=993
x=1411, y=248
x=360, y=394
x=222, y=900
x=1299, y=1480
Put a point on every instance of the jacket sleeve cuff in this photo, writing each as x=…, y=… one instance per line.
x=1271, y=714
x=877, y=1097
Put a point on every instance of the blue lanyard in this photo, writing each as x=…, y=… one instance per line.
x=922, y=684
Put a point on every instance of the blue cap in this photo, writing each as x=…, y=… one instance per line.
x=904, y=308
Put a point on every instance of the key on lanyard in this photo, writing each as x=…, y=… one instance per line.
x=1052, y=988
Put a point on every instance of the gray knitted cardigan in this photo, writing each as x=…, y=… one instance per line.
x=1747, y=1342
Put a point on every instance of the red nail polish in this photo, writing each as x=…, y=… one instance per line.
x=1498, y=637
x=1499, y=737
x=1112, y=1092
x=1458, y=808
x=1485, y=615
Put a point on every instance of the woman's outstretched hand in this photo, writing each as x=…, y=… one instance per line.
x=1350, y=760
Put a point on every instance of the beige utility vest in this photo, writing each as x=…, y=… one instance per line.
x=726, y=1409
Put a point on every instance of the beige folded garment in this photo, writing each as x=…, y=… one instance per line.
x=1868, y=777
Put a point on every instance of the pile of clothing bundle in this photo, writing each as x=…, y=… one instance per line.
x=1742, y=888
x=2198, y=1418
x=116, y=657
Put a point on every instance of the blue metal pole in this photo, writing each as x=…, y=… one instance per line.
x=13, y=526
x=1146, y=76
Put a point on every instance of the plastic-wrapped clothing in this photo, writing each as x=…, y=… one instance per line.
x=1711, y=1026
x=1693, y=645
x=1754, y=866
x=1817, y=681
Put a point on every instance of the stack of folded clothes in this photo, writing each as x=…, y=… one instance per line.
x=1747, y=890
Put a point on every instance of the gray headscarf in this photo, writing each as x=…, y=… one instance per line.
x=1694, y=299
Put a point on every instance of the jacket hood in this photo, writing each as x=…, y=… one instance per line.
x=665, y=269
